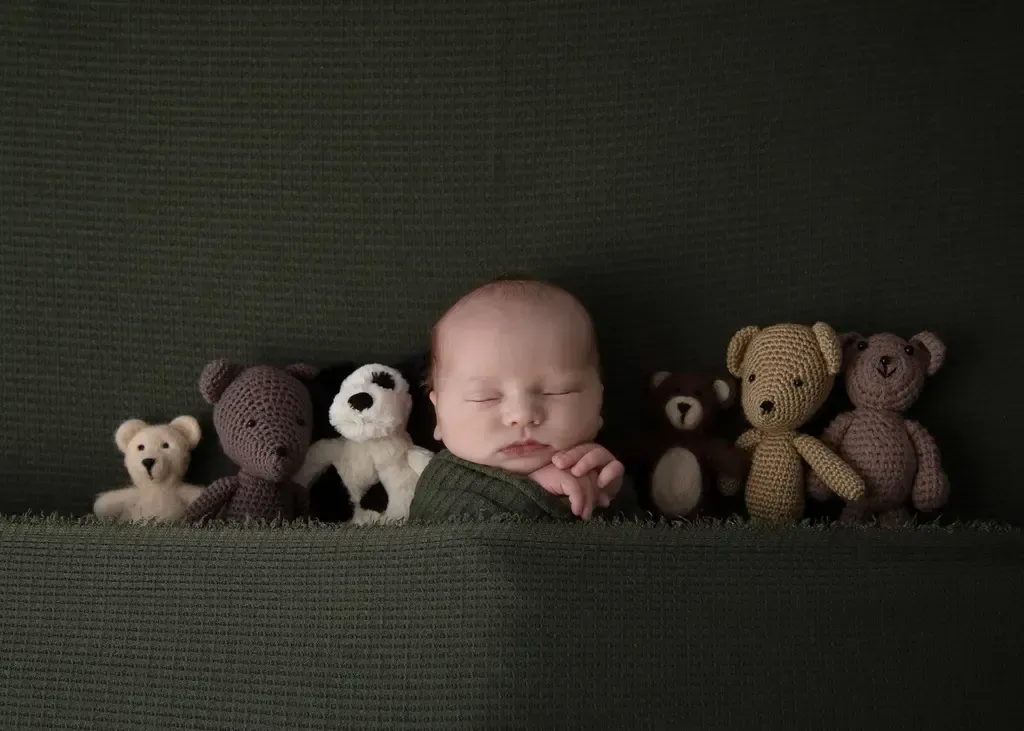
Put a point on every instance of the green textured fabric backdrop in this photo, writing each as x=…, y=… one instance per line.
x=503, y=625
x=307, y=180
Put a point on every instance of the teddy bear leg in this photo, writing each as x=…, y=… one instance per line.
x=729, y=486
x=854, y=512
x=894, y=518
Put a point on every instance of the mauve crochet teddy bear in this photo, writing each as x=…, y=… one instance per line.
x=263, y=416
x=896, y=456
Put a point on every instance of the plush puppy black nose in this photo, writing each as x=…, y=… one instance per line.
x=885, y=360
x=281, y=451
x=683, y=407
x=766, y=407
x=148, y=463
x=360, y=401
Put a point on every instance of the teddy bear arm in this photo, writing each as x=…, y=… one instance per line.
x=212, y=499
x=749, y=439
x=837, y=475
x=931, y=486
x=726, y=459
x=114, y=503
x=418, y=457
x=189, y=493
x=835, y=433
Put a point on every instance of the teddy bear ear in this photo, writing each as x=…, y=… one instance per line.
x=217, y=376
x=738, y=348
x=847, y=343
x=189, y=428
x=725, y=390
x=127, y=431
x=302, y=371
x=659, y=378
x=935, y=348
x=830, y=347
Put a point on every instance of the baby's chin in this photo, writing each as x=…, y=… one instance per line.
x=514, y=464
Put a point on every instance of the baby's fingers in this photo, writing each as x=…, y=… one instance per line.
x=611, y=476
x=581, y=498
x=596, y=458
x=564, y=460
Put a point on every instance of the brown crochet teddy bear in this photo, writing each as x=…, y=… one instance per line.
x=685, y=459
x=896, y=456
x=263, y=416
x=786, y=372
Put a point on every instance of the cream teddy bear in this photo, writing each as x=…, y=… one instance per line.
x=157, y=457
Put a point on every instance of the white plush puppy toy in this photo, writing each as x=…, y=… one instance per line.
x=370, y=412
x=157, y=457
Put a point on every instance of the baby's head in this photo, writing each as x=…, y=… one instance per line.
x=515, y=375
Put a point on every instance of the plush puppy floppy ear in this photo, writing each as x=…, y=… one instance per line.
x=830, y=347
x=127, y=431
x=725, y=390
x=738, y=348
x=659, y=378
x=935, y=349
x=216, y=377
x=302, y=371
x=189, y=428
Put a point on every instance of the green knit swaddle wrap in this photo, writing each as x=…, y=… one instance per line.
x=450, y=486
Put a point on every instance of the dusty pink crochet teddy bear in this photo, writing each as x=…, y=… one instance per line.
x=896, y=456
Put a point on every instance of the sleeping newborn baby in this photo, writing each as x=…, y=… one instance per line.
x=517, y=394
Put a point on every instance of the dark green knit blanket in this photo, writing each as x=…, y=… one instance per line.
x=507, y=624
x=452, y=487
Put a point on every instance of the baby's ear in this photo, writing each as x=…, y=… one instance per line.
x=189, y=428
x=127, y=431
x=738, y=347
x=933, y=347
x=216, y=377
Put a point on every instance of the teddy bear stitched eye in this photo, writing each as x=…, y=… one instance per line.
x=141, y=447
x=909, y=350
x=862, y=345
x=751, y=378
x=798, y=382
x=251, y=423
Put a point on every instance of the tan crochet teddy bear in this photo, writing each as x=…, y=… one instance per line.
x=157, y=457
x=786, y=372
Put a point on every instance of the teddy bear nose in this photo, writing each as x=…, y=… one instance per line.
x=766, y=407
x=281, y=451
x=885, y=360
x=683, y=407
x=148, y=463
x=360, y=401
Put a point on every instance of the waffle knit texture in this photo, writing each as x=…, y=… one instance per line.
x=264, y=420
x=786, y=373
x=508, y=625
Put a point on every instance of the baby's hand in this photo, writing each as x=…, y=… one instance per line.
x=582, y=492
x=588, y=458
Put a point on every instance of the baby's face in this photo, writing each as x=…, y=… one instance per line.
x=513, y=388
